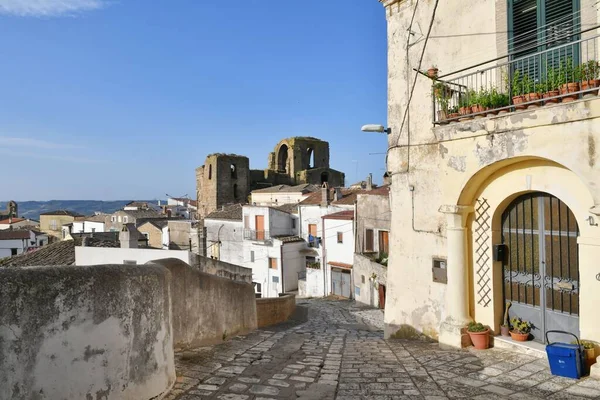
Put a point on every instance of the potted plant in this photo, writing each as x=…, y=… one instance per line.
x=517, y=90
x=552, y=83
x=569, y=79
x=475, y=102
x=453, y=113
x=589, y=77
x=505, y=327
x=530, y=92
x=433, y=72
x=589, y=350
x=479, y=334
x=442, y=94
x=465, y=107
x=520, y=329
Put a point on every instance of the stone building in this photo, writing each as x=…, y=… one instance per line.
x=12, y=210
x=227, y=178
x=493, y=206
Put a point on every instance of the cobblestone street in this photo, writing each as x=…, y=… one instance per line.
x=339, y=353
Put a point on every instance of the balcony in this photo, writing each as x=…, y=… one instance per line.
x=560, y=74
x=257, y=236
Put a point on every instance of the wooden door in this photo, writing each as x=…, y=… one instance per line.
x=312, y=229
x=260, y=227
x=382, y=296
x=384, y=242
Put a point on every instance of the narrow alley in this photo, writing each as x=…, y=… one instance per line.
x=339, y=353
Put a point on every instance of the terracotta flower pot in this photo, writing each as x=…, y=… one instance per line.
x=591, y=85
x=551, y=93
x=464, y=110
x=590, y=357
x=505, y=330
x=519, y=337
x=533, y=97
x=432, y=73
x=568, y=88
x=517, y=100
x=453, y=117
x=481, y=340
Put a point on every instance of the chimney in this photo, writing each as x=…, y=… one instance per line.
x=337, y=195
x=324, y=195
x=370, y=182
x=128, y=239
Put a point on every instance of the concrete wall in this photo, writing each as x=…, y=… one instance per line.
x=71, y=332
x=269, y=278
x=109, y=255
x=224, y=240
x=372, y=212
x=363, y=270
x=293, y=262
x=275, y=310
x=312, y=285
x=52, y=224
x=154, y=234
x=221, y=269
x=179, y=235
x=206, y=308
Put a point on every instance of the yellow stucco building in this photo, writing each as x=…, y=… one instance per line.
x=501, y=202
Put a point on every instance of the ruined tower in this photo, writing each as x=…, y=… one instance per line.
x=223, y=179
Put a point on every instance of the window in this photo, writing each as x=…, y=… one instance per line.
x=312, y=229
x=369, y=240
x=41, y=242
x=252, y=256
x=233, y=171
x=340, y=237
x=146, y=235
x=119, y=218
x=537, y=25
x=384, y=242
x=362, y=279
x=125, y=220
x=257, y=287
x=33, y=242
x=235, y=191
x=53, y=224
x=293, y=223
x=113, y=219
x=272, y=263
x=13, y=252
x=209, y=171
x=311, y=158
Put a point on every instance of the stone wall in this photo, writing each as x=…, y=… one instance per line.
x=363, y=270
x=76, y=332
x=208, y=309
x=271, y=311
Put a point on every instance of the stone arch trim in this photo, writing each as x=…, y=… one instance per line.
x=490, y=197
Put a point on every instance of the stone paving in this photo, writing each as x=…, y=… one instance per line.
x=339, y=353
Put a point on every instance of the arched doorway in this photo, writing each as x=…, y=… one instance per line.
x=282, y=158
x=541, y=267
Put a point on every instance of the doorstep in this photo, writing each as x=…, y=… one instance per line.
x=530, y=347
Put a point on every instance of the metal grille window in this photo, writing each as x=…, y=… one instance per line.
x=541, y=273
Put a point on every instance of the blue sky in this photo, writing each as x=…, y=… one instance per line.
x=124, y=99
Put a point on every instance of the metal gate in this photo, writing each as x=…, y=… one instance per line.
x=541, y=270
x=340, y=282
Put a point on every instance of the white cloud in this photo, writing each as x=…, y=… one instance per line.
x=48, y=8
x=33, y=143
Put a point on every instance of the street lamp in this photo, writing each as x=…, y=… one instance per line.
x=376, y=128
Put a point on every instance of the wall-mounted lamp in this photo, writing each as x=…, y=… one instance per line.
x=592, y=221
x=376, y=128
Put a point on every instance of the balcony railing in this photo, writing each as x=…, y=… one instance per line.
x=560, y=74
x=259, y=236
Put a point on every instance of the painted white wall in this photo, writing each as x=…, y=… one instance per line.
x=224, y=240
x=339, y=252
x=261, y=273
x=22, y=245
x=293, y=263
x=314, y=286
x=20, y=224
x=276, y=222
x=108, y=255
x=277, y=199
x=87, y=226
x=166, y=237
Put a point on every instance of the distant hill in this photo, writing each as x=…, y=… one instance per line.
x=33, y=209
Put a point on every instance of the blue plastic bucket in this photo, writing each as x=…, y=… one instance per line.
x=565, y=359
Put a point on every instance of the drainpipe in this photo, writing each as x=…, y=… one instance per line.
x=324, y=257
x=355, y=225
x=282, y=275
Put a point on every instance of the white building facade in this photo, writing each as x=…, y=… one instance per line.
x=15, y=242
